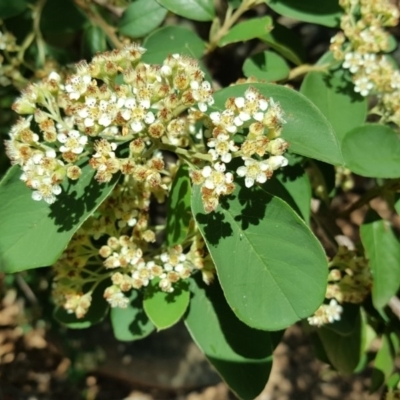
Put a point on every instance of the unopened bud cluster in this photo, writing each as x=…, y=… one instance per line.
x=361, y=46
x=349, y=281
x=9, y=63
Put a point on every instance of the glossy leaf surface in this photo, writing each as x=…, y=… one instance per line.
x=266, y=65
x=170, y=40
x=32, y=233
x=179, y=211
x=166, y=309
x=240, y=354
x=372, y=150
x=383, y=251
x=141, y=17
x=270, y=265
x=198, y=10
x=131, y=323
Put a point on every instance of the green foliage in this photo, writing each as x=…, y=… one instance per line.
x=240, y=354
x=199, y=10
x=179, y=212
x=267, y=65
x=11, y=8
x=383, y=251
x=170, y=40
x=247, y=30
x=141, y=17
x=34, y=234
x=334, y=95
x=323, y=13
x=372, y=150
x=266, y=257
x=131, y=323
x=166, y=309
x=344, y=351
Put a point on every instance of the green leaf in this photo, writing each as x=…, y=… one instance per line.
x=347, y=323
x=141, y=17
x=131, y=323
x=372, y=150
x=198, y=10
x=240, y=354
x=343, y=352
x=11, y=8
x=266, y=65
x=166, y=309
x=333, y=93
x=61, y=16
x=34, y=234
x=247, y=30
x=271, y=267
x=179, y=211
x=286, y=43
x=327, y=12
x=383, y=251
x=308, y=132
x=94, y=41
x=383, y=365
x=293, y=186
x=96, y=313
x=171, y=40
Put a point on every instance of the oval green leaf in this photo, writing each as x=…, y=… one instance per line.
x=94, y=41
x=32, y=233
x=166, y=309
x=198, y=10
x=383, y=365
x=266, y=65
x=286, y=43
x=179, y=211
x=333, y=93
x=11, y=8
x=383, y=251
x=293, y=186
x=170, y=40
x=372, y=150
x=247, y=30
x=270, y=265
x=344, y=352
x=240, y=354
x=131, y=323
x=327, y=12
x=307, y=130
x=141, y=17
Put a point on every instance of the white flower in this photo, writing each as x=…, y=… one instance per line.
x=222, y=147
x=333, y=311
x=276, y=162
x=363, y=86
x=353, y=62
x=73, y=141
x=253, y=171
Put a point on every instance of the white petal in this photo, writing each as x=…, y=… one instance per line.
x=249, y=182
x=62, y=137
x=56, y=189
x=37, y=195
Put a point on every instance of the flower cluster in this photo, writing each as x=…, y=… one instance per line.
x=90, y=115
x=118, y=245
x=263, y=120
x=120, y=115
x=361, y=46
x=349, y=281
